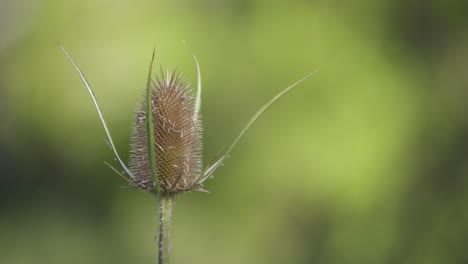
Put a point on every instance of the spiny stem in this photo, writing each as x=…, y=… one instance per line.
x=166, y=204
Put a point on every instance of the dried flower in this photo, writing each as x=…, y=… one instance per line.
x=177, y=133
x=165, y=155
x=169, y=157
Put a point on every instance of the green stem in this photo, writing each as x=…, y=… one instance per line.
x=166, y=204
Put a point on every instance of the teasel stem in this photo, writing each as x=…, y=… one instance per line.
x=166, y=205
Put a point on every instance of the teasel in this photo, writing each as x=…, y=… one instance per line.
x=166, y=144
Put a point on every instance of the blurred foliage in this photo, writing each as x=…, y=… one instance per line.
x=366, y=162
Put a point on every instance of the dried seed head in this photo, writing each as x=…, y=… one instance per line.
x=177, y=134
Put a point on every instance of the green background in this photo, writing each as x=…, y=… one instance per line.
x=365, y=162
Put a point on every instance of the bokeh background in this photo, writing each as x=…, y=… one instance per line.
x=366, y=162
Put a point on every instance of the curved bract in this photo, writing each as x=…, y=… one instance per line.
x=101, y=116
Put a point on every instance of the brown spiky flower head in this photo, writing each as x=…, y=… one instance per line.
x=177, y=137
x=165, y=156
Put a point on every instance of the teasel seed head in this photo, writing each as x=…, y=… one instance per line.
x=168, y=158
x=177, y=135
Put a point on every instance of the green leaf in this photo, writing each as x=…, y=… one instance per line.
x=150, y=130
x=101, y=116
x=213, y=166
x=199, y=90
